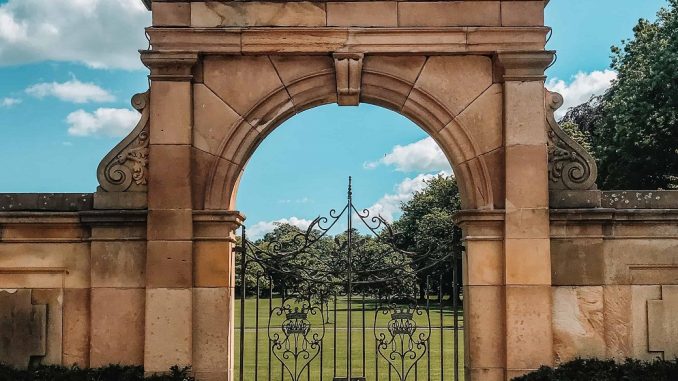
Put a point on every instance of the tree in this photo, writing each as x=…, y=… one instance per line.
x=427, y=226
x=636, y=138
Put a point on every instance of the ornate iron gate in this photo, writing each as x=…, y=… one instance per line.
x=349, y=307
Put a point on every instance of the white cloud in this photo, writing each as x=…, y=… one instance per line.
x=581, y=88
x=421, y=156
x=388, y=206
x=114, y=122
x=260, y=229
x=9, y=102
x=71, y=91
x=98, y=33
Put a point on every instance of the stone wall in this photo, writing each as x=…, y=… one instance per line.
x=615, y=277
x=76, y=275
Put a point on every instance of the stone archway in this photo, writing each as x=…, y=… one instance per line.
x=141, y=271
x=475, y=106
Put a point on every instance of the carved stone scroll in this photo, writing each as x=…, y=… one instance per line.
x=124, y=169
x=349, y=67
x=570, y=166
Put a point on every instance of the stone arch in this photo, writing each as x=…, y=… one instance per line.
x=465, y=121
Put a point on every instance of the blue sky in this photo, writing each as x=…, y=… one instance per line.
x=67, y=73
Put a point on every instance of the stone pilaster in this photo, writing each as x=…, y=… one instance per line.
x=169, y=263
x=527, y=261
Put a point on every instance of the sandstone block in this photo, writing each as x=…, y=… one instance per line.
x=372, y=14
x=257, y=13
x=169, y=264
x=170, y=112
x=168, y=329
x=484, y=263
x=169, y=185
x=529, y=333
x=454, y=13
x=118, y=264
x=214, y=266
x=76, y=327
x=618, y=322
x=117, y=326
x=578, y=323
x=23, y=328
x=522, y=13
x=171, y=14
x=524, y=113
x=528, y=261
x=485, y=336
x=527, y=177
x=212, y=322
x=170, y=224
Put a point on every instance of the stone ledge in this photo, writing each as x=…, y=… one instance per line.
x=48, y=202
x=568, y=199
x=642, y=199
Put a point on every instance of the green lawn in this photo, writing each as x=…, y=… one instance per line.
x=428, y=365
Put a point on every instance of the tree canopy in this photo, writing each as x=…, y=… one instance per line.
x=633, y=127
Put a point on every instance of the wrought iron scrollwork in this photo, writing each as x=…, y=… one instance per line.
x=570, y=166
x=406, y=339
x=295, y=341
x=124, y=169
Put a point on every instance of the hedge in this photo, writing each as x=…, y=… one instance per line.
x=607, y=370
x=109, y=373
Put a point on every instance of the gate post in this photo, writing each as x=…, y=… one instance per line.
x=169, y=275
x=483, y=277
x=527, y=259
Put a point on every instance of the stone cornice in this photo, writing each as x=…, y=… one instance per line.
x=526, y=65
x=169, y=66
x=324, y=40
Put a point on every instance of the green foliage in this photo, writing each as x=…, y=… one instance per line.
x=582, y=137
x=427, y=226
x=109, y=373
x=606, y=370
x=634, y=126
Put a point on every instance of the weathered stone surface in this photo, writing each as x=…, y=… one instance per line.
x=214, y=265
x=76, y=327
x=662, y=324
x=640, y=199
x=618, y=322
x=523, y=118
x=453, y=13
x=455, y=81
x=640, y=296
x=57, y=202
x=371, y=13
x=117, y=335
x=527, y=179
x=257, y=13
x=168, y=329
x=483, y=263
x=577, y=262
x=170, y=188
x=118, y=264
x=484, y=326
x=212, y=326
x=522, y=13
x=171, y=14
x=529, y=327
x=53, y=298
x=566, y=199
x=23, y=328
x=483, y=119
x=578, y=323
x=527, y=261
x=169, y=264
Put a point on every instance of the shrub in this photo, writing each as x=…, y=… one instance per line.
x=74, y=373
x=607, y=370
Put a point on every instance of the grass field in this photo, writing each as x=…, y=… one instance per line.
x=376, y=367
